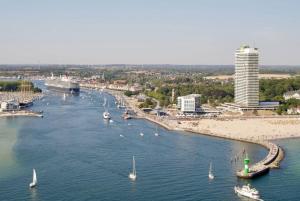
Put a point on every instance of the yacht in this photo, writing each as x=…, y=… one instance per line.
x=248, y=192
x=106, y=115
x=34, y=180
x=132, y=175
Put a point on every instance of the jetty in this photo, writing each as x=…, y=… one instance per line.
x=21, y=113
x=272, y=160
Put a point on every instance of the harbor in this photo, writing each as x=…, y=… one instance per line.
x=87, y=146
x=272, y=160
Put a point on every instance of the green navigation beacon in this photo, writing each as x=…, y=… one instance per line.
x=246, y=163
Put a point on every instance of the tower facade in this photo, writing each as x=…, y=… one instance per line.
x=246, y=82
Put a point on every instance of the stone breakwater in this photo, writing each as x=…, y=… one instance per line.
x=272, y=160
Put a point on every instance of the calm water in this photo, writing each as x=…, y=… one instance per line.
x=78, y=156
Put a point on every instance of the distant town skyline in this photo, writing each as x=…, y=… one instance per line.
x=192, y=32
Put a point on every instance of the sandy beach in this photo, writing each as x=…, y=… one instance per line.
x=239, y=128
x=256, y=129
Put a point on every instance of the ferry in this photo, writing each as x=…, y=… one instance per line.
x=248, y=192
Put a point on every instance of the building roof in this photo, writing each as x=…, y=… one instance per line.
x=290, y=93
x=247, y=49
x=191, y=96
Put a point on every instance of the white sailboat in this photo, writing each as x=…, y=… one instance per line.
x=104, y=103
x=132, y=175
x=210, y=174
x=156, y=133
x=34, y=180
x=106, y=114
x=64, y=97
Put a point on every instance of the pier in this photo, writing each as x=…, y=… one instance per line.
x=272, y=160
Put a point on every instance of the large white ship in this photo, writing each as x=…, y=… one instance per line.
x=64, y=84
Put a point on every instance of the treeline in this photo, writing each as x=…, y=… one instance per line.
x=12, y=86
x=212, y=92
x=217, y=92
x=273, y=89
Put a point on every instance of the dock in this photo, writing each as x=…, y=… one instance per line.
x=21, y=113
x=262, y=167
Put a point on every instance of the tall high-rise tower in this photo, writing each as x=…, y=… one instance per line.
x=246, y=82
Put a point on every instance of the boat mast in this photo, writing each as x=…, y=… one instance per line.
x=133, y=164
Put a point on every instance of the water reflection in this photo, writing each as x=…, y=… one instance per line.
x=34, y=196
x=8, y=137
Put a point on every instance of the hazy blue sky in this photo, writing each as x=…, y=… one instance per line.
x=147, y=31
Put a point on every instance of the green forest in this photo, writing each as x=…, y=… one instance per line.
x=217, y=92
x=12, y=86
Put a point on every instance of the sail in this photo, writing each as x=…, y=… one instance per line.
x=104, y=103
x=34, y=179
x=133, y=166
x=210, y=168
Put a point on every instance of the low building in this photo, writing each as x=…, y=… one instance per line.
x=263, y=105
x=120, y=82
x=9, y=106
x=189, y=104
x=292, y=94
x=294, y=110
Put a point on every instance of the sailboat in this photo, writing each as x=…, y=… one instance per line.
x=104, y=103
x=106, y=114
x=132, y=175
x=121, y=104
x=156, y=133
x=210, y=174
x=34, y=180
x=64, y=96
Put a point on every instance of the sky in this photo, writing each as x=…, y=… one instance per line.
x=147, y=31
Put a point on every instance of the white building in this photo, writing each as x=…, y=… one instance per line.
x=9, y=106
x=293, y=110
x=246, y=86
x=292, y=94
x=189, y=104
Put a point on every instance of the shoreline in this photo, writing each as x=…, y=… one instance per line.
x=272, y=160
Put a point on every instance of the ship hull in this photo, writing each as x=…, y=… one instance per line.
x=65, y=90
x=63, y=86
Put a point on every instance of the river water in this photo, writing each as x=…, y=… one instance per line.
x=79, y=156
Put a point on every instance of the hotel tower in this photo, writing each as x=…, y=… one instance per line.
x=246, y=83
